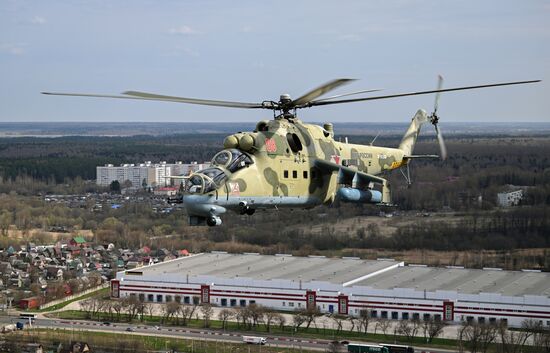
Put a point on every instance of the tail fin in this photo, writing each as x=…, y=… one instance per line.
x=409, y=140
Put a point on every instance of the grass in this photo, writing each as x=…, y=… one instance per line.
x=312, y=332
x=102, y=291
x=124, y=342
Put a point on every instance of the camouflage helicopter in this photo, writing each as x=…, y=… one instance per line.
x=285, y=162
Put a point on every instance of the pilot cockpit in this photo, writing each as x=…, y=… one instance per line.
x=232, y=160
x=212, y=178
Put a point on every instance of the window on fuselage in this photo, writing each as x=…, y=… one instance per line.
x=285, y=173
x=305, y=174
x=294, y=142
x=295, y=174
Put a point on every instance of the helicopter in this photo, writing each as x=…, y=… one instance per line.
x=285, y=162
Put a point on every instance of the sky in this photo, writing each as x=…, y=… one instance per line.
x=251, y=51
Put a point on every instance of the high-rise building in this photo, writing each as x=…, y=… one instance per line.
x=151, y=174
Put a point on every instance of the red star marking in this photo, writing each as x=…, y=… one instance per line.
x=270, y=145
x=336, y=159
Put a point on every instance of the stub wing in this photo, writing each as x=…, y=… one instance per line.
x=347, y=175
x=354, y=178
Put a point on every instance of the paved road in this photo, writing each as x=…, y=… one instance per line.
x=187, y=333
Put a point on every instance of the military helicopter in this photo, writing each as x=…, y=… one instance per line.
x=285, y=162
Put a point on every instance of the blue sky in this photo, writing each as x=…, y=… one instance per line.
x=255, y=50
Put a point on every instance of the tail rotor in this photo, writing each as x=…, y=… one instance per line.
x=434, y=119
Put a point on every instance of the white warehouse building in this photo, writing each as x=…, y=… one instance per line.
x=387, y=288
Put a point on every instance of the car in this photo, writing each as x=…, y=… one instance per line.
x=106, y=323
x=157, y=327
x=130, y=329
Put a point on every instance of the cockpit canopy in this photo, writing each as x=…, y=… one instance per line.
x=212, y=178
x=231, y=159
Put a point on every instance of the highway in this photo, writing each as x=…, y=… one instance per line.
x=300, y=343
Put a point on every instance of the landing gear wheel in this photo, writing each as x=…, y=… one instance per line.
x=214, y=221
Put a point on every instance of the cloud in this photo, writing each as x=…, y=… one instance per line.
x=190, y=52
x=258, y=64
x=13, y=49
x=38, y=20
x=349, y=37
x=180, y=51
x=184, y=30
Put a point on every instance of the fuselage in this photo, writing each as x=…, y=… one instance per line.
x=274, y=166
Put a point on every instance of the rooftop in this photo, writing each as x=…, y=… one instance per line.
x=267, y=267
x=468, y=281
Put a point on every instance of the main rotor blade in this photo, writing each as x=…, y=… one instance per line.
x=319, y=91
x=157, y=97
x=439, y=85
x=317, y=103
x=349, y=94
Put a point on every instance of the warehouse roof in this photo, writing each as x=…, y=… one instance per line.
x=268, y=267
x=468, y=281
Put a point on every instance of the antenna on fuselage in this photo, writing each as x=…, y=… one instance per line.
x=374, y=139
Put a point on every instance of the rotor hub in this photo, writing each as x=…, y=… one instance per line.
x=285, y=98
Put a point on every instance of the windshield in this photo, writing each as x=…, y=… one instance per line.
x=232, y=160
x=206, y=180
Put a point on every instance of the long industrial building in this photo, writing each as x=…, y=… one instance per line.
x=389, y=289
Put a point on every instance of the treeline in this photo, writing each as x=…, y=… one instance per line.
x=500, y=230
x=64, y=158
x=517, y=228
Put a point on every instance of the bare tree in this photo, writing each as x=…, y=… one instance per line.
x=298, y=319
x=338, y=320
x=226, y=315
x=107, y=307
x=187, y=312
x=242, y=315
x=141, y=307
x=364, y=318
x=207, y=312
x=131, y=304
x=432, y=328
x=353, y=321
x=311, y=313
x=280, y=320
x=116, y=306
x=238, y=314
x=91, y=306
x=256, y=313
x=383, y=325
x=407, y=328
x=269, y=318
x=86, y=306
x=148, y=308
x=540, y=334
x=476, y=337
x=170, y=310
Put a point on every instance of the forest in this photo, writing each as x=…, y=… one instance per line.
x=450, y=207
